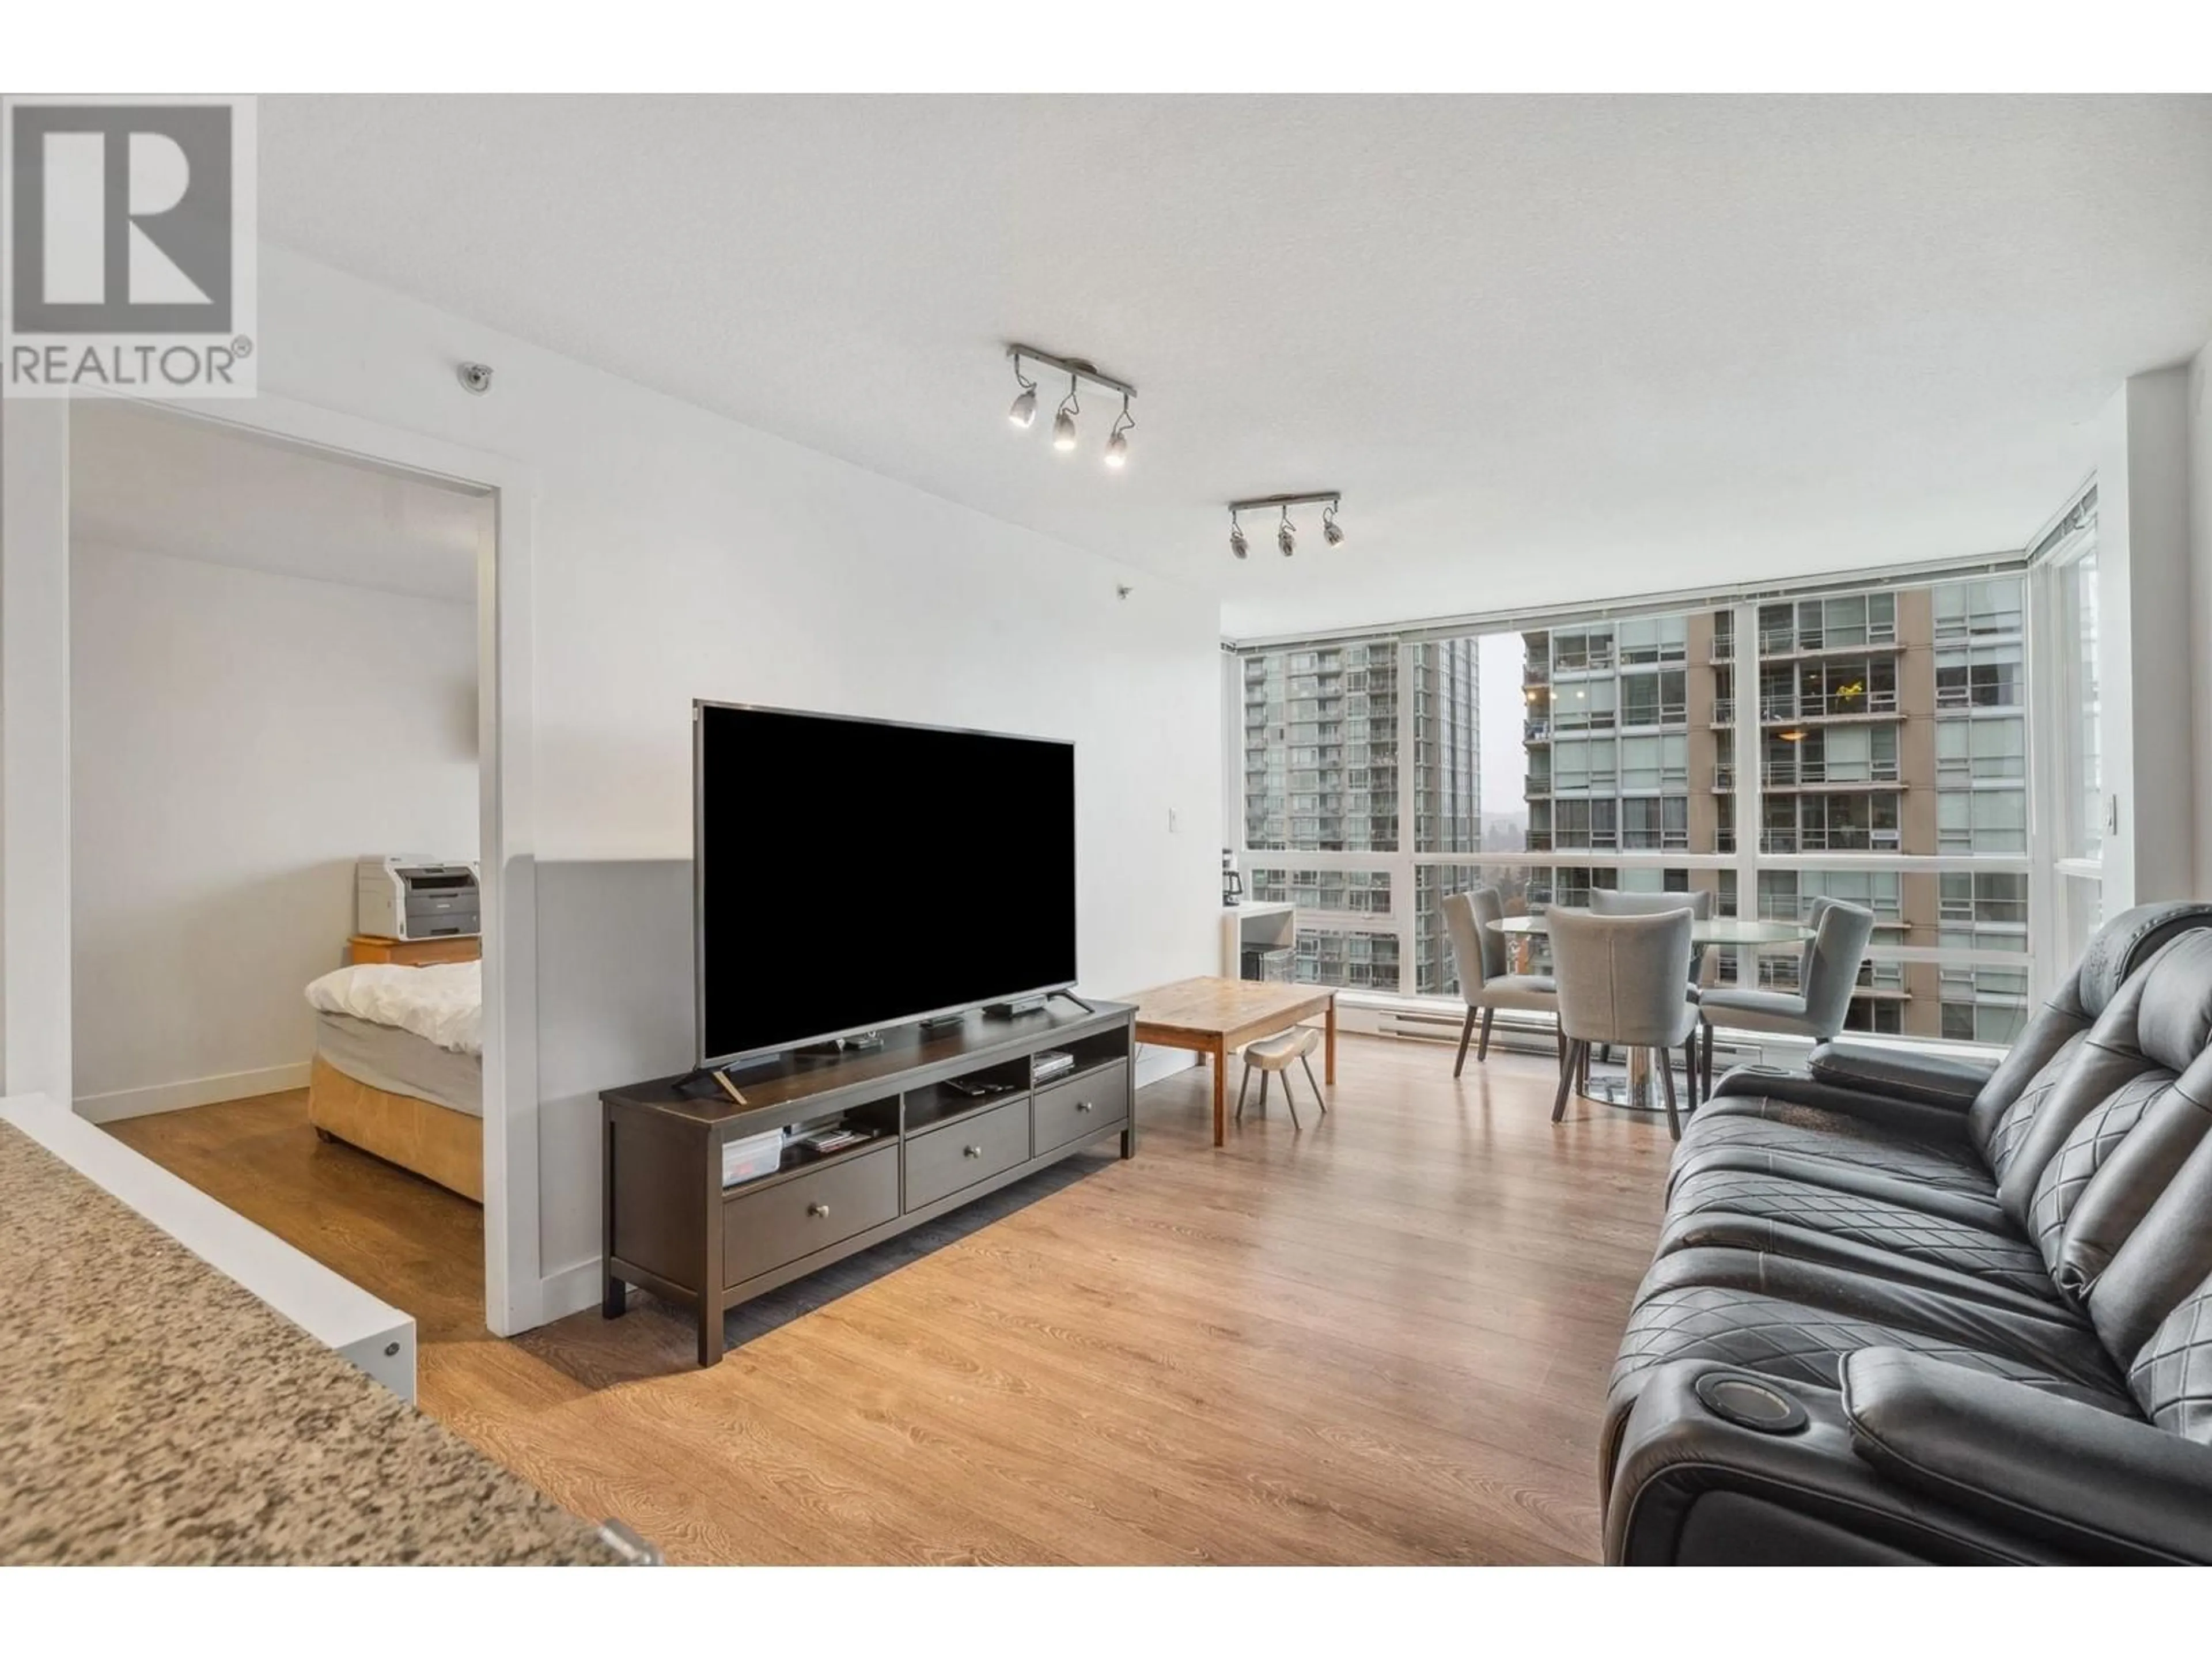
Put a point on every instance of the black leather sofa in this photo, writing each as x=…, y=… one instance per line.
x=1909, y=1311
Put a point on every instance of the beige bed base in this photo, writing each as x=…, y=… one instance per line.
x=436, y=1142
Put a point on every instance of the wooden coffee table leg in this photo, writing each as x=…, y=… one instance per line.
x=1221, y=1092
x=1329, y=1057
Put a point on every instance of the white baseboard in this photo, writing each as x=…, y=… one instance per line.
x=192, y=1092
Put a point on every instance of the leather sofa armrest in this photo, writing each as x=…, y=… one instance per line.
x=1684, y=1487
x=2099, y=1486
x=1797, y=1089
x=1901, y=1073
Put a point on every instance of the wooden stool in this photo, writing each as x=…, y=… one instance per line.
x=1275, y=1053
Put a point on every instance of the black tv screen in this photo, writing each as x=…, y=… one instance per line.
x=852, y=874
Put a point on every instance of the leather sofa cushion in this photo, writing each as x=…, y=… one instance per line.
x=2172, y=1378
x=2053, y=1339
x=1955, y=1233
x=1806, y=1345
x=1753, y=1133
x=1932, y=1079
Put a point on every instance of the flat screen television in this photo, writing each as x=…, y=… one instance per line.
x=853, y=874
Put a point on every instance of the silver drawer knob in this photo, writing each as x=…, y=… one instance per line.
x=818, y=1209
x=971, y=1151
x=1082, y=1105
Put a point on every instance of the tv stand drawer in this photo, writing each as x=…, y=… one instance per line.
x=762, y=1230
x=940, y=1162
x=1076, y=1107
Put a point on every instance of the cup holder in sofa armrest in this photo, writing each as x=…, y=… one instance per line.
x=1750, y=1402
x=1901, y=1073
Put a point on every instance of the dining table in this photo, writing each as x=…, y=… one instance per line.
x=1633, y=1089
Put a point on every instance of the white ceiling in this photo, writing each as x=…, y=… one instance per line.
x=165, y=483
x=1547, y=348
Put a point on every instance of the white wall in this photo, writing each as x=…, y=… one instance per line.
x=239, y=738
x=2200, y=640
x=677, y=554
x=2149, y=660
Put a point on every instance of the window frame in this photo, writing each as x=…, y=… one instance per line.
x=1737, y=623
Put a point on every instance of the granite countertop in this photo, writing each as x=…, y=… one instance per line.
x=153, y=1411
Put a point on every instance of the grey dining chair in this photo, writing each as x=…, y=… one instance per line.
x=1704, y=964
x=1620, y=980
x=1487, y=978
x=1825, y=983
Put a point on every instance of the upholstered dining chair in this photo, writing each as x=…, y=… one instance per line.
x=1704, y=964
x=1621, y=980
x=1487, y=978
x=1829, y=973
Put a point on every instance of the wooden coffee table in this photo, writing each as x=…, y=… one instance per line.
x=1212, y=1017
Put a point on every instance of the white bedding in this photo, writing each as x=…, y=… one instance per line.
x=442, y=1004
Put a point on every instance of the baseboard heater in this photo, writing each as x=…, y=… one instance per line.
x=1531, y=1038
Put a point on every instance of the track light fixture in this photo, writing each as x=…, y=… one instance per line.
x=1023, y=412
x=1286, y=533
x=1063, y=422
x=1117, y=441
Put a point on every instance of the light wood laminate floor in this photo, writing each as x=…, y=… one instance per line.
x=1382, y=1339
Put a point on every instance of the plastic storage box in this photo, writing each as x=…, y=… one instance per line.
x=753, y=1157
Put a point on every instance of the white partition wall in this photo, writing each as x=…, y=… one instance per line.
x=677, y=554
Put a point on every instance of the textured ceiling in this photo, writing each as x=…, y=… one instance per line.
x=1547, y=348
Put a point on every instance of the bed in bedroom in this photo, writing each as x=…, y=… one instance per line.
x=398, y=1067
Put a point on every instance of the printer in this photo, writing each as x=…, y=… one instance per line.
x=407, y=896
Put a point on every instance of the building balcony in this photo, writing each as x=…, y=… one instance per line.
x=1830, y=841
x=1536, y=673
x=1781, y=708
x=1814, y=642
x=1536, y=731
x=1533, y=787
x=1787, y=774
x=1598, y=662
x=1723, y=711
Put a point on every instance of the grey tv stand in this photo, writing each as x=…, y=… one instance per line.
x=671, y=1227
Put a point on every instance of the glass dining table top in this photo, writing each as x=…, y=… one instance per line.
x=1712, y=930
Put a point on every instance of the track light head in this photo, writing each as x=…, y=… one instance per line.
x=1331, y=530
x=1286, y=536
x=1063, y=422
x=1237, y=544
x=1024, y=413
x=1117, y=441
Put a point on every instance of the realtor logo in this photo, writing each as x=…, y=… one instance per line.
x=129, y=229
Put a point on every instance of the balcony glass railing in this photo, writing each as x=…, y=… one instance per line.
x=1786, y=771
x=1790, y=706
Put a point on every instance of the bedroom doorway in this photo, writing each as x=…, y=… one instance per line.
x=284, y=675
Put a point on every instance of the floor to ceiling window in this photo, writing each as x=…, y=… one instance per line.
x=1887, y=733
